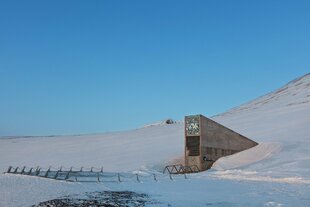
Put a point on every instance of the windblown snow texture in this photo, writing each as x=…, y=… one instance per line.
x=278, y=121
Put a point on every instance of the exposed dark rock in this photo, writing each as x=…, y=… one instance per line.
x=102, y=199
x=170, y=121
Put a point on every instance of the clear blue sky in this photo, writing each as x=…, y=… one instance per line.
x=71, y=67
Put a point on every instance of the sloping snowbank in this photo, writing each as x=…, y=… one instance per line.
x=281, y=117
x=247, y=157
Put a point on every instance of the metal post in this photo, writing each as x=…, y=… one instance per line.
x=46, y=174
x=98, y=178
x=23, y=170
x=9, y=170
x=164, y=170
x=155, y=177
x=38, y=171
x=185, y=176
x=29, y=173
x=176, y=169
x=56, y=175
x=119, y=177
x=67, y=176
x=138, y=178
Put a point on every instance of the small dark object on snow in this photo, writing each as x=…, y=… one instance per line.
x=170, y=121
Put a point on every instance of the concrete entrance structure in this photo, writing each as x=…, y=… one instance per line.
x=206, y=141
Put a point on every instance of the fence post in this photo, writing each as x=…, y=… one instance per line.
x=155, y=177
x=46, y=174
x=56, y=175
x=164, y=170
x=98, y=178
x=9, y=170
x=119, y=177
x=38, y=171
x=138, y=178
x=23, y=170
x=29, y=173
x=67, y=176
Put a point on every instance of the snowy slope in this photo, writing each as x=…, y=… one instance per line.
x=121, y=151
x=278, y=121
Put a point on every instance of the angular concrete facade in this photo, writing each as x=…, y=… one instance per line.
x=206, y=141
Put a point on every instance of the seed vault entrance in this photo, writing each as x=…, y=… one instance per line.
x=206, y=141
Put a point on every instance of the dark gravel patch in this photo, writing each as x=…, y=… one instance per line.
x=102, y=199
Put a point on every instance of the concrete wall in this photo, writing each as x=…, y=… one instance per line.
x=216, y=141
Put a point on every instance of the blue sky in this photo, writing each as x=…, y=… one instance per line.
x=72, y=67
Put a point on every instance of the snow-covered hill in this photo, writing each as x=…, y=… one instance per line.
x=278, y=121
x=121, y=151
